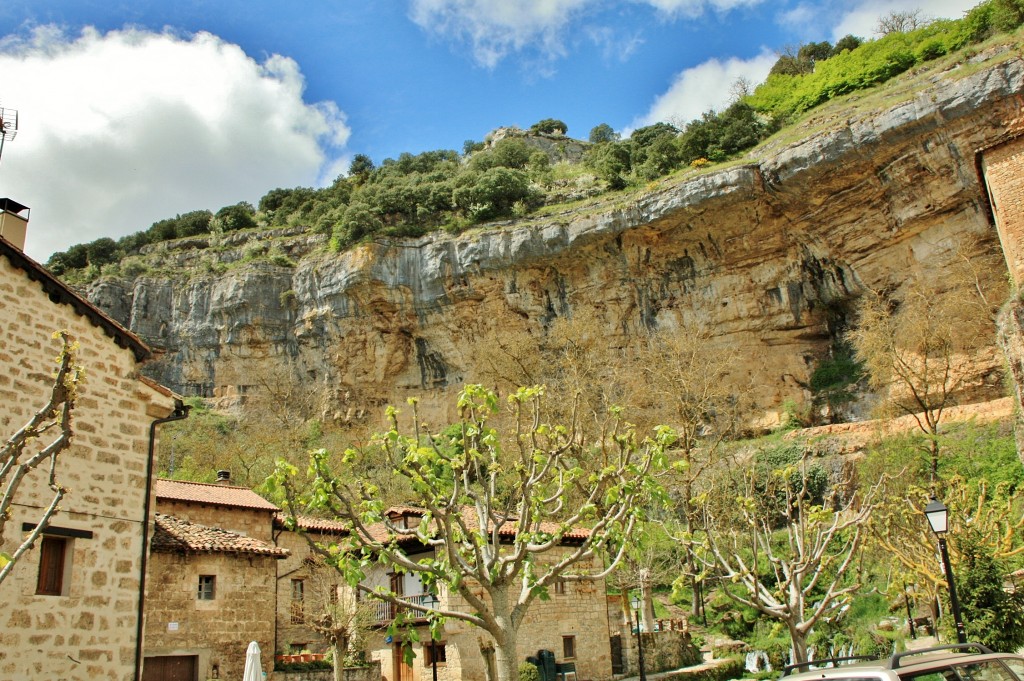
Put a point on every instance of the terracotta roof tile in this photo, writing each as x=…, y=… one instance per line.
x=174, y=535
x=217, y=495
x=315, y=524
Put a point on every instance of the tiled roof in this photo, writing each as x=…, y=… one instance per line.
x=314, y=524
x=217, y=495
x=379, y=531
x=59, y=292
x=174, y=535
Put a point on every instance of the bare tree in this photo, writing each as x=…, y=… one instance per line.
x=901, y=21
x=783, y=554
x=36, y=444
x=920, y=349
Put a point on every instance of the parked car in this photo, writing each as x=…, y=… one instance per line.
x=958, y=662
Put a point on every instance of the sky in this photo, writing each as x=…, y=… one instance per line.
x=132, y=112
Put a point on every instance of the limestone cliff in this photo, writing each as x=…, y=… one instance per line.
x=760, y=251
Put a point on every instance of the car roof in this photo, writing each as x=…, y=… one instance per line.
x=910, y=661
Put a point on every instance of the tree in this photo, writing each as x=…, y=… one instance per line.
x=361, y=166
x=497, y=511
x=796, y=573
x=602, y=133
x=238, y=216
x=333, y=612
x=550, y=126
x=901, y=21
x=27, y=450
x=919, y=349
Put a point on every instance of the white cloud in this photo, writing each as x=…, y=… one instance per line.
x=695, y=8
x=495, y=29
x=703, y=87
x=121, y=129
x=863, y=18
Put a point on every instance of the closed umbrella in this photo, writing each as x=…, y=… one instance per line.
x=253, y=668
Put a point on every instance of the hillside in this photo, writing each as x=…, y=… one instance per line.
x=766, y=253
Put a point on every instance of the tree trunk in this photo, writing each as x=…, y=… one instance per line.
x=339, y=659
x=799, y=639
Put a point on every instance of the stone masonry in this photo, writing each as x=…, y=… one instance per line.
x=1004, y=176
x=89, y=630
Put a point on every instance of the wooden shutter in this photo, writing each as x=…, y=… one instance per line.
x=51, y=566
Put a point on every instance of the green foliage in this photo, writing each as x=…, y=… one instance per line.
x=528, y=672
x=602, y=133
x=731, y=668
x=995, y=616
x=233, y=218
x=550, y=126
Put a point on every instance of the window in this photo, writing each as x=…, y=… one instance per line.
x=430, y=648
x=298, y=595
x=569, y=647
x=207, y=587
x=52, y=563
x=559, y=587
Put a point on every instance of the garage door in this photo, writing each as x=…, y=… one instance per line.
x=171, y=668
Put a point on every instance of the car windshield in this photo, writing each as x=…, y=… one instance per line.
x=985, y=670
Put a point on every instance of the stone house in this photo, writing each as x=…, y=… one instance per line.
x=72, y=607
x=573, y=624
x=212, y=585
x=306, y=588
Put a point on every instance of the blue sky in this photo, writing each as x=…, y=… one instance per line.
x=135, y=111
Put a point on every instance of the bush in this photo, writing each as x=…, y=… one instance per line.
x=528, y=672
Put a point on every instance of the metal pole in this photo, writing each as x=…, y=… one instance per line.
x=433, y=657
x=954, y=603
x=910, y=617
x=640, y=647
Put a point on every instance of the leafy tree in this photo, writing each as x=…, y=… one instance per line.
x=239, y=216
x=848, y=42
x=495, y=509
x=193, y=223
x=611, y=162
x=550, y=126
x=361, y=166
x=492, y=193
x=602, y=133
x=814, y=52
x=36, y=446
x=510, y=152
x=471, y=146
x=996, y=615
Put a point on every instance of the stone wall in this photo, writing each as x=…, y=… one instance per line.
x=1004, y=176
x=217, y=631
x=257, y=524
x=90, y=631
x=579, y=612
x=318, y=581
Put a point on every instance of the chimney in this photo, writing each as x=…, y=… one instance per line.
x=13, y=222
x=223, y=477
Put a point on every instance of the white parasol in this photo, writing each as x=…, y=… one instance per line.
x=253, y=668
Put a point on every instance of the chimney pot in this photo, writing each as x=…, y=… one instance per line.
x=13, y=222
x=223, y=477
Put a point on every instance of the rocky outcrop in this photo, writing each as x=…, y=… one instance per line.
x=761, y=252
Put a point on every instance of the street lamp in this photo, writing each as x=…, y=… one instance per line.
x=938, y=519
x=636, y=603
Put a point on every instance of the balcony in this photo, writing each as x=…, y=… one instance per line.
x=385, y=612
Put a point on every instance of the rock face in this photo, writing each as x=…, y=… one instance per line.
x=763, y=253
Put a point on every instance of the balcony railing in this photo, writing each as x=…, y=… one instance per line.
x=385, y=612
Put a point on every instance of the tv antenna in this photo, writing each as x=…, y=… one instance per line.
x=8, y=126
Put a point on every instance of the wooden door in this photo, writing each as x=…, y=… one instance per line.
x=403, y=669
x=171, y=668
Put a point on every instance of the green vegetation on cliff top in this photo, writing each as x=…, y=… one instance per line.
x=525, y=171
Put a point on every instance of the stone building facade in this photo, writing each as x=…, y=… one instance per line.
x=573, y=624
x=211, y=586
x=1003, y=170
x=306, y=588
x=87, y=627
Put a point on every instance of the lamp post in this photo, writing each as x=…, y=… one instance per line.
x=636, y=603
x=938, y=519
